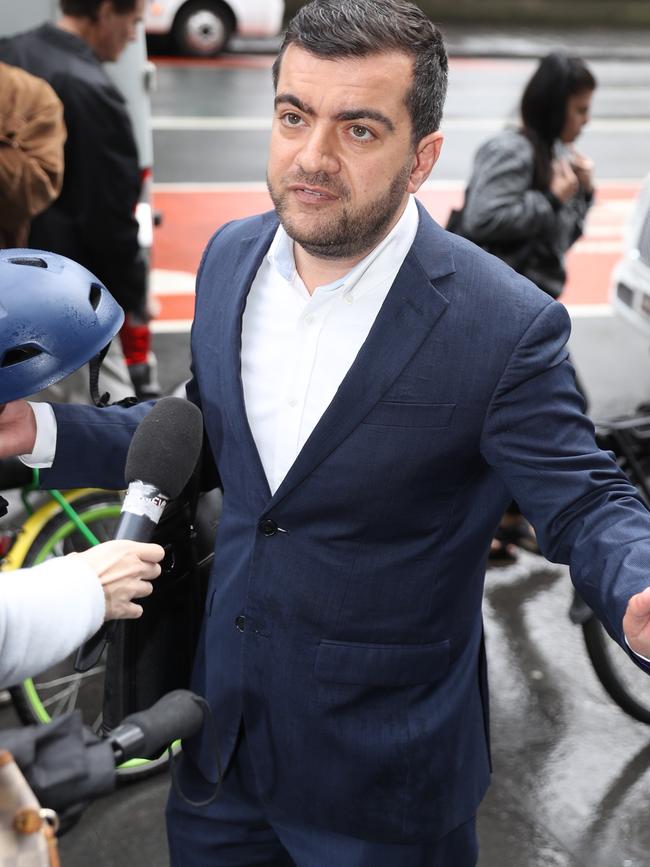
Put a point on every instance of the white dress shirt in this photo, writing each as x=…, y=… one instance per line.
x=297, y=347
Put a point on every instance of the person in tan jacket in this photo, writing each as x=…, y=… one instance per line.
x=32, y=135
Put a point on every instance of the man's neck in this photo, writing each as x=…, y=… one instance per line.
x=315, y=271
x=80, y=27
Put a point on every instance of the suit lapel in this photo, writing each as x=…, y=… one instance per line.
x=248, y=258
x=411, y=309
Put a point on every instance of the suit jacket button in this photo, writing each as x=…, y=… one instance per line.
x=240, y=622
x=267, y=527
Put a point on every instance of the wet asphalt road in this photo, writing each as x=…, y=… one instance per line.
x=571, y=786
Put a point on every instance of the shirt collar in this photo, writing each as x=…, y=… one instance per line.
x=379, y=263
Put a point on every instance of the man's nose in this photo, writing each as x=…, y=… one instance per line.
x=318, y=153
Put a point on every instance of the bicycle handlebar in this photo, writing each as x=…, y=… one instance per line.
x=175, y=716
x=50, y=756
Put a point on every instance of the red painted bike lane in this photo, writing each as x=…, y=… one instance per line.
x=192, y=213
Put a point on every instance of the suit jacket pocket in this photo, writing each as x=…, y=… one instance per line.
x=392, y=413
x=381, y=664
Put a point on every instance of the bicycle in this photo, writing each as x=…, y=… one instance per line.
x=56, y=524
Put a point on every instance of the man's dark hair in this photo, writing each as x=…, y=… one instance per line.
x=544, y=105
x=336, y=29
x=88, y=8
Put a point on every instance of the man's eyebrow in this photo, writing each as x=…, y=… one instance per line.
x=366, y=114
x=293, y=100
x=348, y=114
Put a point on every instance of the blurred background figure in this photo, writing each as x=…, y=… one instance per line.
x=32, y=134
x=530, y=189
x=93, y=220
x=527, y=199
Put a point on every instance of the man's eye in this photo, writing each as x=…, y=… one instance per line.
x=291, y=119
x=361, y=133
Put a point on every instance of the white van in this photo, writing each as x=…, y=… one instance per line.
x=202, y=28
x=631, y=278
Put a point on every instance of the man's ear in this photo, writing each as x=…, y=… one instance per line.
x=426, y=156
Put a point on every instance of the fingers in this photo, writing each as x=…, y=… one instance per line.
x=564, y=182
x=132, y=612
x=147, y=550
x=125, y=570
x=638, y=613
x=142, y=588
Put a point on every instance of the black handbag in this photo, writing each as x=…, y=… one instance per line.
x=154, y=654
x=455, y=221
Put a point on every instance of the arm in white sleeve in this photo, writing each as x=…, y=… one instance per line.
x=42, y=456
x=46, y=612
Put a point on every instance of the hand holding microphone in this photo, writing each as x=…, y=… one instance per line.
x=125, y=570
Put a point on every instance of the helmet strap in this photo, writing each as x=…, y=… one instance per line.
x=94, y=366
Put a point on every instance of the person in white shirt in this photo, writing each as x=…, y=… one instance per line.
x=56, y=316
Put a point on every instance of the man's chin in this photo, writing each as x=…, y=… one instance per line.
x=306, y=232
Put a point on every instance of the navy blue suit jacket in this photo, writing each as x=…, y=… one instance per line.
x=359, y=672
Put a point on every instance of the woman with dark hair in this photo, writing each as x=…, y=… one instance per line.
x=527, y=199
x=530, y=189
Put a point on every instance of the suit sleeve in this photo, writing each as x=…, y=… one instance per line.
x=91, y=445
x=585, y=511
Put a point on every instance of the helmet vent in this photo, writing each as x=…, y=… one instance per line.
x=95, y=295
x=20, y=353
x=34, y=261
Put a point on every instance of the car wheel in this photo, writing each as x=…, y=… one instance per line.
x=202, y=28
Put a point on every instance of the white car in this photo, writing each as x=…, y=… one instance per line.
x=630, y=294
x=202, y=28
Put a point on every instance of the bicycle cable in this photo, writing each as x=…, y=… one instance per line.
x=207, y=715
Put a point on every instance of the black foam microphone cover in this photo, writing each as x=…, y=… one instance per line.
x=166, y=446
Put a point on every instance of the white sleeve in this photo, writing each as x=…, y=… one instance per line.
x=42, y=455
x=46, y=612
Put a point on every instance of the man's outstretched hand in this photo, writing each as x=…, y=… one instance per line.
x=636, y=623
x=17, y=429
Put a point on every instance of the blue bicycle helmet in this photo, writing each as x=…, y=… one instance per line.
x=54, y=317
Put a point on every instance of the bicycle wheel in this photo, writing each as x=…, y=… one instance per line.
x=61, y=689
x=626, y=684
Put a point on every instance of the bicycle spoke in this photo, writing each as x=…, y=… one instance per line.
x=68, y=678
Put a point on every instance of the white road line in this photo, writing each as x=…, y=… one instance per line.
x=164, y=282
x=589, y=311
x=597, y=247
x=170, y=326
x=210, y=187
x=202, y=123
x=431, y=184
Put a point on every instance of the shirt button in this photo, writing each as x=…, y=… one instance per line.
x=349, y=299
x=267, y=527
x=309, y=320
x=292, y=401
x=240, y=623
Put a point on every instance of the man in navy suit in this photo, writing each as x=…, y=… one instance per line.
x=374, y=391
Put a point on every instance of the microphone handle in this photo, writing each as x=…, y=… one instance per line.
x=138, y=527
